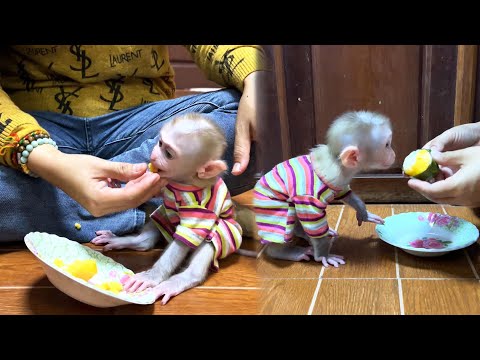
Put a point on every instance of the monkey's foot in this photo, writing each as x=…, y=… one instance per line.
x=332, y=233
x=143, y=280
x=291, y=253
x=331, y=259
x=114, y=242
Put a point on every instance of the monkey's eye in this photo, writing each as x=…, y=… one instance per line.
x=168, y=155
x=388, y=144
x=160, y=143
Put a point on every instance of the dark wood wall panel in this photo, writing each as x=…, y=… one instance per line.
x=439, y=63
x=297, y=61
x=369, y=77
x=272, y=129
x=187, y=73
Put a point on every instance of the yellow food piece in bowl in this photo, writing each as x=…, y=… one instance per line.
x=113, y=286
x=58, y=262
x=83, y=269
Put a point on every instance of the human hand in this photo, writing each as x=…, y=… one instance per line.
x=88, y=180
x=246, y=124
x=454, y=187
x=455, y=138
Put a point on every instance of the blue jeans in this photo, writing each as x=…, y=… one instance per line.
x=29, y=204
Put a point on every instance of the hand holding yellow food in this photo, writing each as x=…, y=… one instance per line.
x=419, y=164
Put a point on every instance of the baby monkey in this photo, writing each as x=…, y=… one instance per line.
x=197, y=212
x=293, y=197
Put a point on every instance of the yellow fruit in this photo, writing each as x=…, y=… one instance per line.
x=58, y=262
x=83, y=269
x=113, y=286
x=152, y=168
x=420, y=164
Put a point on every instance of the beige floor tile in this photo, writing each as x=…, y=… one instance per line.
x=366, y=256
x=21, y=268
x=357, y=297
x=199, y=301
x=441, y=297
x=286, y=296
x=451, y=265
x=44, y=301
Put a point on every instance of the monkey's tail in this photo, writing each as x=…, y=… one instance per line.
x=249, y=253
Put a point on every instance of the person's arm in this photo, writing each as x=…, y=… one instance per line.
x=243, y=67
x=14, y=125
x=85, y=178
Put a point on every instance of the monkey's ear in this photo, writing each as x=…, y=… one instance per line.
x=350, y=156
x=211, y=169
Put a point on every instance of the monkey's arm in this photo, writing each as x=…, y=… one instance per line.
x=355, y=202
x=229, y=65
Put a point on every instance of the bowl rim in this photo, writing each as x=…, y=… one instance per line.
x=33, y=250
x=423, y=250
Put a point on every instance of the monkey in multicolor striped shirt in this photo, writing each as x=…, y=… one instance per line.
x=197, y=211
x=293, y=197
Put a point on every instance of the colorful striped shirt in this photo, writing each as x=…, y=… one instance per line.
x=191, y=214
x=292, y=192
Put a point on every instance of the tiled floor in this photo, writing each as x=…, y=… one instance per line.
x=377, y=278
x=24, y=288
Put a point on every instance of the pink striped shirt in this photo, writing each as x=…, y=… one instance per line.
x=192, y=214
x=292, y=191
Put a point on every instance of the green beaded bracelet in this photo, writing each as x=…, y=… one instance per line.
x=27, y=145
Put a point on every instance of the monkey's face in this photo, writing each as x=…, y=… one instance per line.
x=382, y=155
x=175, y=156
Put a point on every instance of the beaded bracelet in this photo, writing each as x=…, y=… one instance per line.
x=27, y=144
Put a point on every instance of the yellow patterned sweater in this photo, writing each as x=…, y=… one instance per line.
x=91, y=80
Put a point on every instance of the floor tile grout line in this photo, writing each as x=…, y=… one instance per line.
x=228, y=287
x=368, y=278
x=320, y=276
x=470, y=262
x=399, y=279
x=261, y=251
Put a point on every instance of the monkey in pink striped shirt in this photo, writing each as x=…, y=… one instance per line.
x=197, y=212
x=293, y=197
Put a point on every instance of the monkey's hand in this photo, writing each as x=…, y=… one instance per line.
x=143, y=280
x=368, y=217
